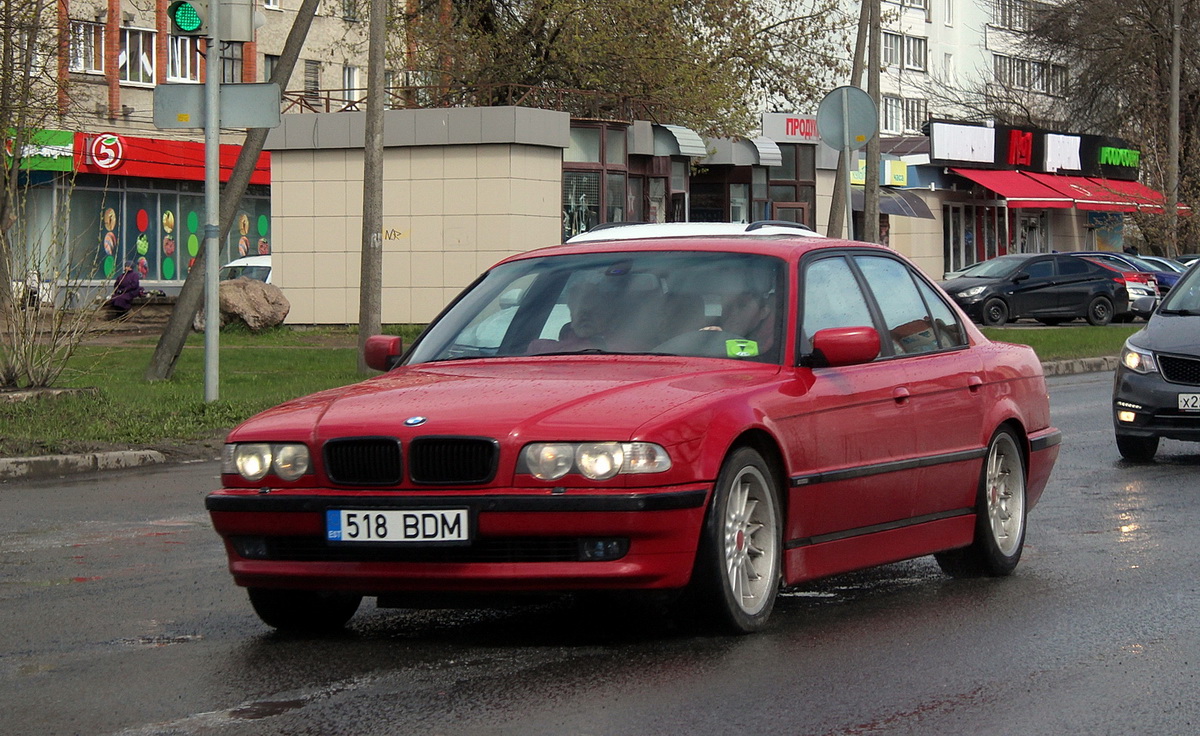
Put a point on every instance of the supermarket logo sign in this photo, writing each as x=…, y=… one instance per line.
x=106, y=151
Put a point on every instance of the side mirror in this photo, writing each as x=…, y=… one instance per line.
x=1144, y=306
x=382, y=352
x=1020, y=277
x=838, y=346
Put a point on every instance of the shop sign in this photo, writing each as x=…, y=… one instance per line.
x=1003, y=147
x=106, y=151
x=789, y=128
x=46, y=150
x=892, y=173
x=153, y=158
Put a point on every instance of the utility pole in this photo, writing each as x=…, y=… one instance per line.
x=1173, y=135
x=870, y=232
x=212, y=206
x=838, y=203
x=370, y=281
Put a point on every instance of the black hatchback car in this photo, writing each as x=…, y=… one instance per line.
x=1156, y=388
x=1048, y=287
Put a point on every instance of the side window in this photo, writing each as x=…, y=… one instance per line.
x=905, y=316
x=832, y=298
x=1072, y=266
x=1040, y=269
x=950, y=331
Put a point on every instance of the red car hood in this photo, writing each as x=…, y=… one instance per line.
x=576, y=398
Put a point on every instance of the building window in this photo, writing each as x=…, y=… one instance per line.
x=791, y=190
x=272, y=4
x=948, y=10
x=891, y=48
x=892, y=119
x=351, y=86
x=914, y=114
x=270, y=61
x=1023, y=74
x=595, y=184
x=1012, y=14
x=312, y=79
x=183, y=60
x=231, y=62
x=87, y=47
x=350, y=11
x=915, y=50
x=135, y=64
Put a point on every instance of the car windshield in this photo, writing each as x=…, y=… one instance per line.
x=1184, y=297
x=258, y=273
x=665, y=303
x=995, y=268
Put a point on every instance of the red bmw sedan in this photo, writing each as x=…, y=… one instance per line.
x=704, y=412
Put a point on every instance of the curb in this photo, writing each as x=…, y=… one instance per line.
x=50, y=466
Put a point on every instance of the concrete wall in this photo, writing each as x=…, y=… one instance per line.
x=463, y=188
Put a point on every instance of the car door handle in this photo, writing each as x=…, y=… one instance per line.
x=974, y=383
x=900, y=394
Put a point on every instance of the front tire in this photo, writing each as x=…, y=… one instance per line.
x=738, y=565
x=1099, y=311
x=999, y=515
x=995, y=312
x=303, y=611
x=1137, y=449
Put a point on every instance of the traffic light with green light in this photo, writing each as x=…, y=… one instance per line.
x=189, y=17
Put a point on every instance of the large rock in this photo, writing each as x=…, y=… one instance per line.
x=251, y=302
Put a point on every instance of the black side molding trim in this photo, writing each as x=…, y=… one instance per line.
x=888, y=467
x=1047, y=440
x=887, y=527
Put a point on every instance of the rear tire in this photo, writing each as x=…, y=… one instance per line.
x=999, y=515
x=1099, y=311
x=737, y=573
x=303, y=611
x=1137, y=449
x=995, y=312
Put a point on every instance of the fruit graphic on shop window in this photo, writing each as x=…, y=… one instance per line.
x=168, y=245
x=143, y=267
x=110, y=243
x=142, y=244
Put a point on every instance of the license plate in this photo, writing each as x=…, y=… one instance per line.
x=1189, y=402
x=413, y=526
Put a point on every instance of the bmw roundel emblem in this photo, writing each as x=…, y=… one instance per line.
x=414, y=421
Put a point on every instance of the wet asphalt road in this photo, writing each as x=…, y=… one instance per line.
x=117, y=617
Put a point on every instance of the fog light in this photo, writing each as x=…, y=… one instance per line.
x=251, y=548
x=1126, y=416
x=595, y=550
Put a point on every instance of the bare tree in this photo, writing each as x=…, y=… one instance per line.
x=191, y=295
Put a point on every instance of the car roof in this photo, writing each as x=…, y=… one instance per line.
x=249, y=261
x=788, y=246
x=640, y=230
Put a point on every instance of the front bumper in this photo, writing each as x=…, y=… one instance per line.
x=520, y=542
x=1154, y=404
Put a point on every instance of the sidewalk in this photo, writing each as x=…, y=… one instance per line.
x=51, y=466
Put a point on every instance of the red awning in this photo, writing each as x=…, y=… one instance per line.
x=1147, y=199
x=1086, y=193
x=1018, y=189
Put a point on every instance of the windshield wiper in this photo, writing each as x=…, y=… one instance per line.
x=1180, y=312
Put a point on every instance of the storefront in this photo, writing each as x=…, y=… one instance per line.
x=103, y=200
x=1015, y=190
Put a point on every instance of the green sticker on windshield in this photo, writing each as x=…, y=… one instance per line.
x=741, y=348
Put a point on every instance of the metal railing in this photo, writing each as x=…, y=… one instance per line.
x=580, y=103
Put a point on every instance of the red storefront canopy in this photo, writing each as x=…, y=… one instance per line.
x=1018, y=189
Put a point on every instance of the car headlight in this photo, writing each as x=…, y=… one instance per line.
x=549, y=461
x=253, y=460
x=599, y=460
x=973, y=291
x=1138, y=360
x=593, y=460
